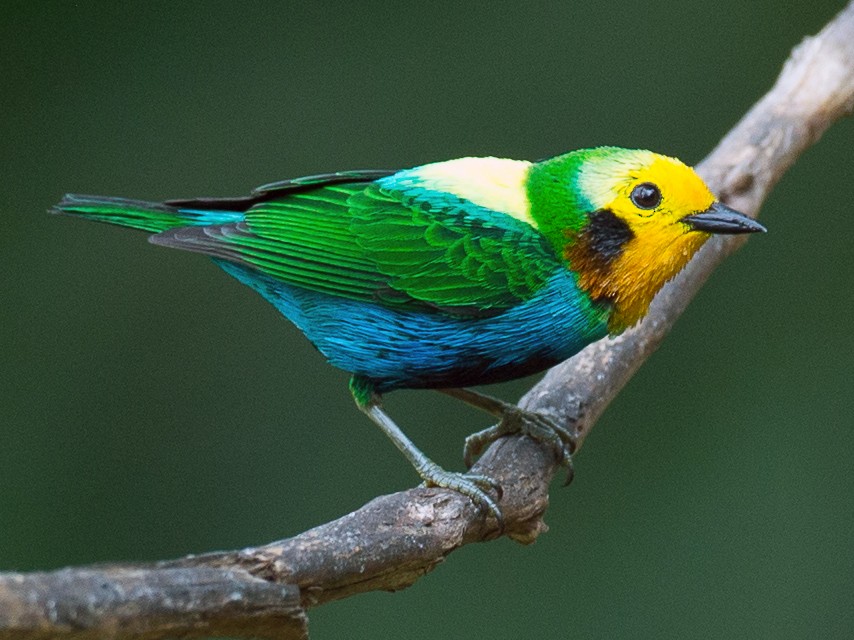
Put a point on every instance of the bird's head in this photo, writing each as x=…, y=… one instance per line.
x=626, y=221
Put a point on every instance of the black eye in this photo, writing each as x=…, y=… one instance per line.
x=646, y=196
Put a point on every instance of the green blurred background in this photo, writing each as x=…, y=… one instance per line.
x=152, y=407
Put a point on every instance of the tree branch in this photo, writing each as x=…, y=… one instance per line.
x=393, y=540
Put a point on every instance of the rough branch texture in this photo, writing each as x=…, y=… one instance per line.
x=393, y=540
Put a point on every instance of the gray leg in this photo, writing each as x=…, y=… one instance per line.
x=513, y=420
x=473, y=486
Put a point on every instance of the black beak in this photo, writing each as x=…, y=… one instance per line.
x=719, y=218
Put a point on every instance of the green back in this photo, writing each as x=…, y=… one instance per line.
x=364, y=242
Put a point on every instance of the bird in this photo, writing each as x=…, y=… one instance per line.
x=452, y=274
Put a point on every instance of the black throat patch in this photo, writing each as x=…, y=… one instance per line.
x=591, y=253
x=606, y=235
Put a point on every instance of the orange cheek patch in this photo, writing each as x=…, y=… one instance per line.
x=630, y=281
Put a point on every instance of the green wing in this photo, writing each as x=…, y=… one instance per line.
x=362, y=242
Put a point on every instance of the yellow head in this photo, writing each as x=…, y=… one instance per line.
x=643, y=216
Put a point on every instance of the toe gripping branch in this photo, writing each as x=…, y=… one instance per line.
x=511, y=420
x=474, y=486
x=515, y=420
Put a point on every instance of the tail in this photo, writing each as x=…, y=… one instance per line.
x=153, y=217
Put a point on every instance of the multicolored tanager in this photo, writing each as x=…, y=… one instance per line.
x=451, y=274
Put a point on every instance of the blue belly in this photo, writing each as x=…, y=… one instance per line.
x=397, y=348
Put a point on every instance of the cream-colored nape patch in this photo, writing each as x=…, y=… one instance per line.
x=495, y=183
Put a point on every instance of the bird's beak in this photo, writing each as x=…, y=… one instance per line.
x=719, y=218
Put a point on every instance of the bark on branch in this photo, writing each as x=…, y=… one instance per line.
x=393, y=540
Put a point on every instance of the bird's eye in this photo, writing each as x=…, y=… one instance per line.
x=646, y=196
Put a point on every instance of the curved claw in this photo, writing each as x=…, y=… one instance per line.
x=570, y=473
x=473, y=486
x=535, y=425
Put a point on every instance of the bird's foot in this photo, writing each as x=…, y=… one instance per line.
x=515, y=420
x=471, y=485
x=474, y=486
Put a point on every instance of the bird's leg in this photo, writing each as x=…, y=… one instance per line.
x=514, y=420
x=471, y=485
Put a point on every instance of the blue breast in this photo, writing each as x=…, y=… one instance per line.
x=400, y=348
